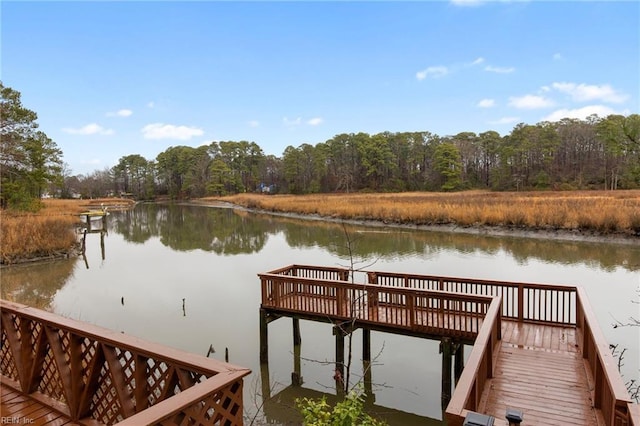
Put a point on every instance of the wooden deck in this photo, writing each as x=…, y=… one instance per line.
x=16, y=408
x=540, y=371
x=537, y=348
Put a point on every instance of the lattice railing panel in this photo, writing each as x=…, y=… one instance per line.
x=105, y=406
x=101, y=375
x=7, y=365
x=221, y=408
x=88, y=349
x=156, y=379
x=51, y=382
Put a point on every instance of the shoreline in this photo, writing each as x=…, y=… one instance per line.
x=482, y=230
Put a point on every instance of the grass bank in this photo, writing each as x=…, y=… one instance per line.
x=46, y=234
x=594, y=212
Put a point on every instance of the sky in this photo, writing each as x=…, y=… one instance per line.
x=115, y=78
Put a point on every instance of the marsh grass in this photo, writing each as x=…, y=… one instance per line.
x=600, y=212
x=50, y=232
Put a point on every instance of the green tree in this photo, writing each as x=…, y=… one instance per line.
x=449, y=166
x=29, y=160
x=134, y=174
x=621, y=138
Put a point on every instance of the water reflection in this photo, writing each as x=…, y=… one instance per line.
x=25, y=283
x=229, y=231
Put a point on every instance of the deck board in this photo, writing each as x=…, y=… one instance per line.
x=540, y=371
x=22, y=410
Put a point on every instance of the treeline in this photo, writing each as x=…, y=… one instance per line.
x=596, y=153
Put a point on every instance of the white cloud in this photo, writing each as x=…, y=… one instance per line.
x=315, y=121
x=151, y=104
x=486, y=103
x=434, y=72
x=587, y=92
x=581, y=113
x=120, y=113
x=89, y=129
x=254, y=123
x=169, y=131
x=467, y=2
x=479, y=60
x=290, y=123
x=530, y=102
x=557, y=57
x=506, y=120
x=499, y=70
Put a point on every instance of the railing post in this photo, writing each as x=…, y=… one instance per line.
x=411, y=310
x=520, y=302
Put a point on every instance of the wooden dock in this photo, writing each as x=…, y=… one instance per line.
x=537, y=348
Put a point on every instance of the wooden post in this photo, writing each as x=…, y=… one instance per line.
x=264, y=337
x=297, y=340
x=366, y=344
x=445, y=349
x=339, y=374
x=296, y=375
x=458, y=361
x=520, y=302
x=266, y=383
x=369, y=397
x=102, y=244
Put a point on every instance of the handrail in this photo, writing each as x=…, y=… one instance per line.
x=610, y=393
x=424, y=311
x=479, y=367
x=90, y=373
x=311, y=271
x=553, y=304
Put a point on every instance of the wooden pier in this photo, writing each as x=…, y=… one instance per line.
x=537, y=348
x=56, y=371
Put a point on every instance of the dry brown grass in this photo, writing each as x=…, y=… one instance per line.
x=601, y=212
x=48, y=233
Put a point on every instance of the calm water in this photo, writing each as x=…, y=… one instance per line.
x=155, y=256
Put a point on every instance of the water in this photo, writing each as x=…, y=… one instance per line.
x=157, y=257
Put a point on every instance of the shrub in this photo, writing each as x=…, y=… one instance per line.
x=349, y=412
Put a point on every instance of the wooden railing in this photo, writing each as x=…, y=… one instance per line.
x=96, y=376
x=552, y=304
x=317, y=272
x=478, y=369
x=421, y=311
x=610, y=394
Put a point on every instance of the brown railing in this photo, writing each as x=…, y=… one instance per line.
x=552, y=304
x=317, y=272
x=610, y=394
x=478, y=369
x=420, y=311
x=91, y=374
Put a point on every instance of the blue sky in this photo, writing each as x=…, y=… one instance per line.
x=109, y=79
